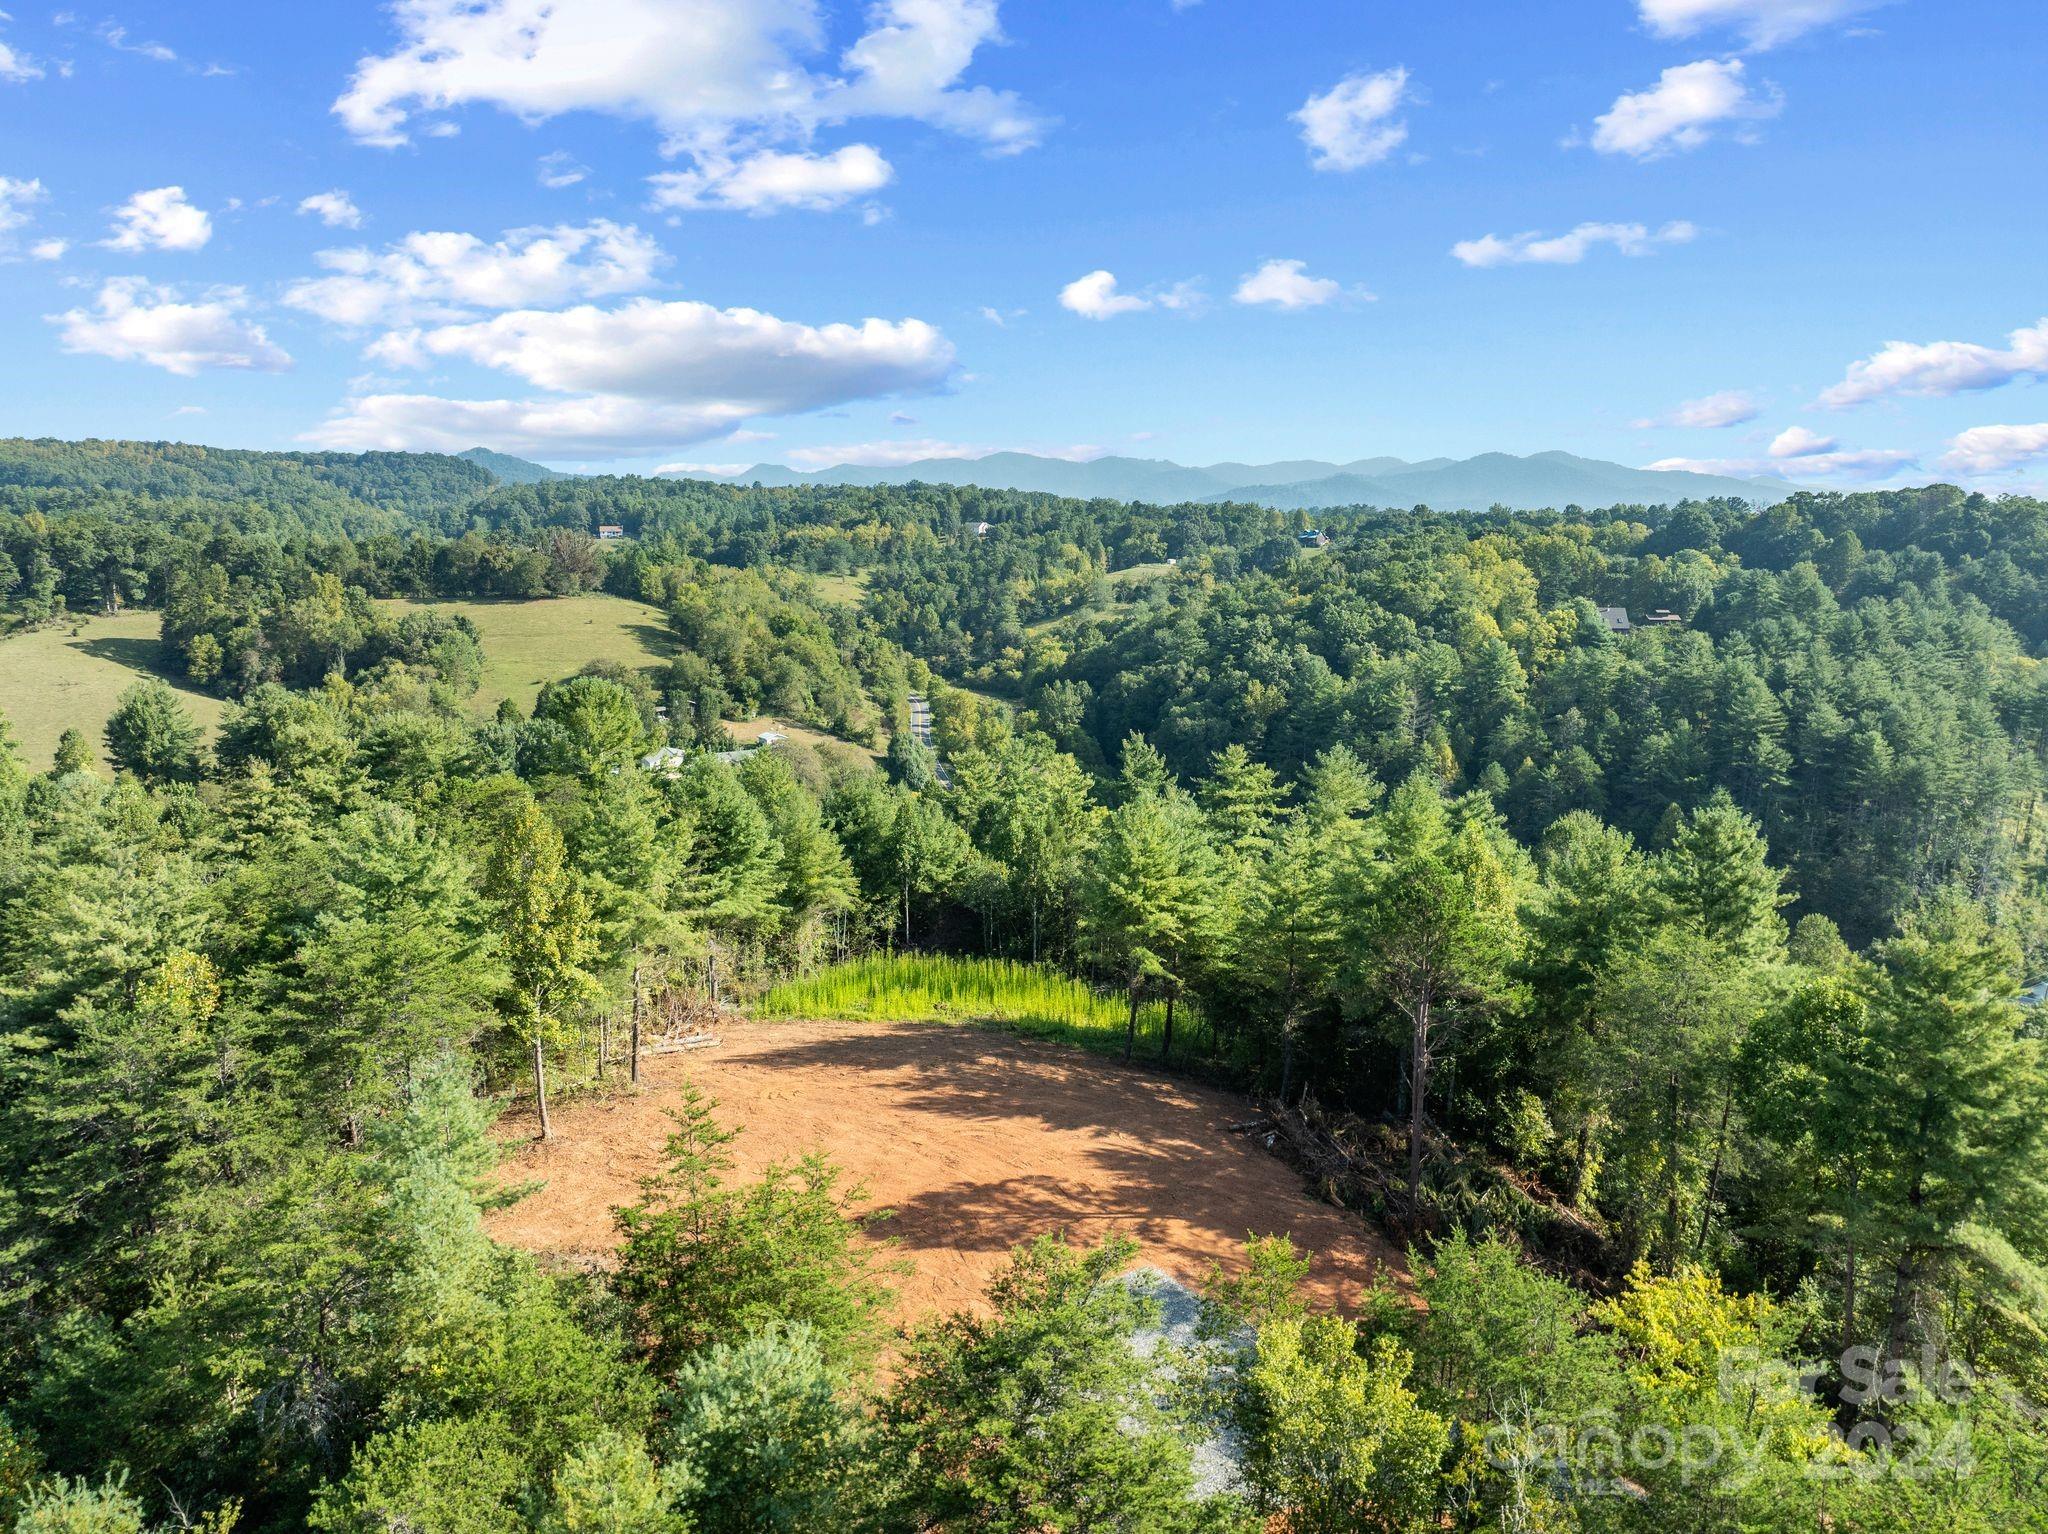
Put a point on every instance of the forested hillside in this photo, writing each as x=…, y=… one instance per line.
x=1659, y=988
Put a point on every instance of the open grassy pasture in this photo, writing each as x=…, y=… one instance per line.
x=74, y=672
x=529, y=644
x=847, y=590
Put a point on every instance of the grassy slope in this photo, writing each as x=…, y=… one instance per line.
x=527, y=644
x=996, y=993
x=53, y=678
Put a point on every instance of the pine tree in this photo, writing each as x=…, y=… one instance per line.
x=151, y=735
x=544, y=920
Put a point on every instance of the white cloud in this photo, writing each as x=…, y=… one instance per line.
x=1683, y=110
x=133, y=320
x=336, y=209
x=115, y=36
x=600, y=425
x=1798, y=442
x=1287, y=285
x=161, y=219
x=703, y=470
x=441, y=275
x=558, y=169
x=895, y=454
x=15, y=197
x=881, y=455
x=1731, y=407
x=1994, y=449
x=1095, y=297
x=189, y=410
x=49, y=250
x=637, y=379
x=1940, y=368
x=1572, y=247
x=691, y=353
x=769, y=180
x=1797, y=453
x=1353, y=124
x=722, y=80
x=17, y=67
x=1762, y=23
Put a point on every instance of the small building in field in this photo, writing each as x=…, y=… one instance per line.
x=1616, y=619
x=609, y=531
x=1314, y=538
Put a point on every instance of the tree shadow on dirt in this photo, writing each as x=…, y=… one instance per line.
x=965, y=1073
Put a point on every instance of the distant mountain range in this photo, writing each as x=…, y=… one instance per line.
x=1469, y=484
x=510, y=470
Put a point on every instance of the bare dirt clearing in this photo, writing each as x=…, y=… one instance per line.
x=976, y=1140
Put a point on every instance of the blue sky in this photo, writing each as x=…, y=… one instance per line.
x=1802, y=236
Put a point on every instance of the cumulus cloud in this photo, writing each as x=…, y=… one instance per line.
x=1995, y=449
x=1355, y=123
x=1097, y=297
x=637, y=378
x=134, y=320
x=1687, y=106
x=1799, y=442
x=602, y=426
x=1571, y=247
x=769, y=181
x=1797, y=453
x=1287, y=285
x=687, y=352
x=441, y=275
x=49, y=250
x=1938, y=368
x=1730, y=407
x=721, y=79
x=1762, y=23
x=336, y=209
x=161, y=219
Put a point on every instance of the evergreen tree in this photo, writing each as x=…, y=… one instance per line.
x=150, y=734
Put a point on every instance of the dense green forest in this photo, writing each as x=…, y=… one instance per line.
x=1663, y=987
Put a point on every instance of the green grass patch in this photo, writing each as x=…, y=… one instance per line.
x=846, y=590
x=74, y=671
x=1019, y=998
x=528, y=644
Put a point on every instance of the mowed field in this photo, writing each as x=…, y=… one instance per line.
x=73, y=673
x=976, y=1141
x=528, y=644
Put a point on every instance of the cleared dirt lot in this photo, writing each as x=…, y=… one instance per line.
x=976, y=1140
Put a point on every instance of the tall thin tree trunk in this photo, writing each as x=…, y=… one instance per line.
x=1714, y=1176
x=1849, y=1263
x=1287, y=1051
x=1418, y=1084
x=1166, y=1043
x=634, y=1069
x=540, y=1085
x=1131, y=1027
x=1671, y=1116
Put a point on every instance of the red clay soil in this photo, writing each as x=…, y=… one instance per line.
x=977, y=1141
